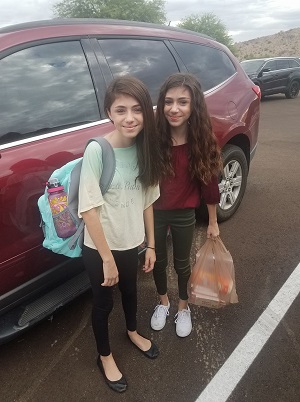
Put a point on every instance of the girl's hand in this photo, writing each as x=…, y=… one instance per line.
x=150, y=258
x=111, y=273
x=213, y=230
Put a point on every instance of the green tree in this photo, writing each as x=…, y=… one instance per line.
x=134, y=10
x=210, y=25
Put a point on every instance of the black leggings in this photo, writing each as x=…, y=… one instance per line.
x=127, y=263
x=181, y=223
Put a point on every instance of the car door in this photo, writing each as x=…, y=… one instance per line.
x=268, y=77
x=48, y=110
x=283, y=72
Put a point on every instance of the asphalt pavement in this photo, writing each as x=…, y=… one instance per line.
x=56, y=360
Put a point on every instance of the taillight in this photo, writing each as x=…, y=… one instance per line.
x=257, y=90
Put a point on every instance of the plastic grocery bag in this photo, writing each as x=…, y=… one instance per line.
x=212, y=281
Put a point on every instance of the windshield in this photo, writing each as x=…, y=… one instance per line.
x=252, y=66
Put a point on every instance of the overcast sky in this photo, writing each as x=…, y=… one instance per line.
x=244, y=19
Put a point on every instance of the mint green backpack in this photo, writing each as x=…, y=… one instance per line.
x=68, y=176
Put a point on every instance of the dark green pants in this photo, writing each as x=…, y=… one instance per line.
x=182, y=224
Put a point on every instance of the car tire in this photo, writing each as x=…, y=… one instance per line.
x=235, y=171
x=293, y=90
x=232, y=182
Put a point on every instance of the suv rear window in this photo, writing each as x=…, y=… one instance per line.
x=45, y=88
x=149, y=60
x=211, y=66
x=293, y=63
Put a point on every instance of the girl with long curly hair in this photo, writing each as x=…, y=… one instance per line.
x=192, y=163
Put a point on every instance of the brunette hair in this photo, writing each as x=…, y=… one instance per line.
x=204, y=152
x=149, y=161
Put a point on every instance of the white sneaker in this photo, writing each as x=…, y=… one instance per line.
x=159, y=317
x=183, y=322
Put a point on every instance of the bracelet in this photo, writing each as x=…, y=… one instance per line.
x=152, y=248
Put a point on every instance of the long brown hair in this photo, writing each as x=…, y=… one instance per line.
x=149, y=161
x=204, y=152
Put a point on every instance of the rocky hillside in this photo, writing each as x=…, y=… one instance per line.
x=284, y=43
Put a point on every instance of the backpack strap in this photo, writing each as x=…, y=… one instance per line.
x=108, y=172
x=74, y=239
x=109, y=163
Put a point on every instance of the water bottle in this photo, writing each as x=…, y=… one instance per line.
x=58, y=200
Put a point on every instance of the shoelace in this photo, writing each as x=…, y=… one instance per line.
x=182, y=315
x=161, y=310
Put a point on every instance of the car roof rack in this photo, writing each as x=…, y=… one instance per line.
x=91, y=21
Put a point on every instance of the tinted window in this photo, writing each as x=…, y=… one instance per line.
x=210, y=65
x=252, y=66
x=281, y=64
x=45, y=88
x=293, y=63
x=148, y=60
x=271, y=65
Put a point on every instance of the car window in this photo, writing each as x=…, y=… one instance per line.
x=212, y=66
x=149, y=60
x=45, y=88
x=252, y=66
x=271, y=65
x=282, y=64
x=293, y=63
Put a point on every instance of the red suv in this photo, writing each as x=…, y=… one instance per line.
x=53, y=79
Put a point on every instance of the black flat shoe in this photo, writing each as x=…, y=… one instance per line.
x=151, y=353
x=119, y=385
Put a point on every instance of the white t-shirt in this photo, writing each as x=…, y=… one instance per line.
x=121, y=208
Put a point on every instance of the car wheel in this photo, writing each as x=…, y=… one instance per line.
x=293, y=90
x=233, y=180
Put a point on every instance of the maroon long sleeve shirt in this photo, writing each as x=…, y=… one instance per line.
x=180, y=191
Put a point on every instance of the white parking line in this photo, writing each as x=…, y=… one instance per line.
x=232, y=371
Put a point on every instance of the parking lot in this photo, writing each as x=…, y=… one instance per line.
x=56, y=360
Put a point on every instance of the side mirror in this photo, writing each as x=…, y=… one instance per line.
x=264, y=70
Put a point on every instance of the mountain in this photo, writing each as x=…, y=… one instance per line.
x=283, y=43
